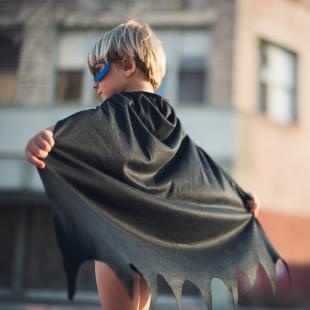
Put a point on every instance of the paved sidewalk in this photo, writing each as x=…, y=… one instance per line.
x=164, y=303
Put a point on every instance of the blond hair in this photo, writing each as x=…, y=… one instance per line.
x=134, y=40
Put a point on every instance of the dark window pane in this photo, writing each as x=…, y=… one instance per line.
x=8, y=221
x=69, y=86
x=192, y=79
x=42, y=261
x=43, y=265
x=9, y=53
x=9, y=56
x=191, y=86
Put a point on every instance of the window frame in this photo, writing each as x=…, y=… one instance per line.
x=264, y=83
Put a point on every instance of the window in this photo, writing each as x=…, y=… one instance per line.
x=30, y=257
x=69, y=85
x=278, y=83
x=9, y=56
x=71, y=60
x=8, y=225
x=191, y=80
x=41, y=250
x=187, y=52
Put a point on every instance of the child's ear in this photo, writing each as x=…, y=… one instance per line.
x=129, y=66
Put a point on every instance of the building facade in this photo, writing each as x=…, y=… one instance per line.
x=44, y=78
x=213, y=51
x=271, y=80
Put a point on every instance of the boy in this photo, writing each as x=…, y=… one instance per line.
x=129, y=58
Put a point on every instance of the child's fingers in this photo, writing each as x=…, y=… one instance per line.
x=35, y=150
x=250, y=203
x=43, y=144
x=48, y=136
x=254, y=205
x=34, y=160
x=255, y=197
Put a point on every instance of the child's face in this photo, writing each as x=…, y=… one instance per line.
x=114, y=81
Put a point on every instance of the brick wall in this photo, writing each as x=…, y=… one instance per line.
x=35, y=69
x=221, y=56
x=39, y=22
x=272, y=158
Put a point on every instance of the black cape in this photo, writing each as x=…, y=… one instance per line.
x=129, y=187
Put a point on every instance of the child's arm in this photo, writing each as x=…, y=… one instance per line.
x=39, y=146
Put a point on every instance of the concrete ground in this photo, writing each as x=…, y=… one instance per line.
x=164, y=303
x=46, y=300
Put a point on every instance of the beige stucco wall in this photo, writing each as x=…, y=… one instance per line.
x=272, y=159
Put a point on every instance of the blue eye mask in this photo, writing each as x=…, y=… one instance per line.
x=102, y=73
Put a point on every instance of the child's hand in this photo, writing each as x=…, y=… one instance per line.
x=39, y=146
x=254, y=204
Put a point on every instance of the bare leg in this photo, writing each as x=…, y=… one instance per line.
x=145, y=295
x=112, y=293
